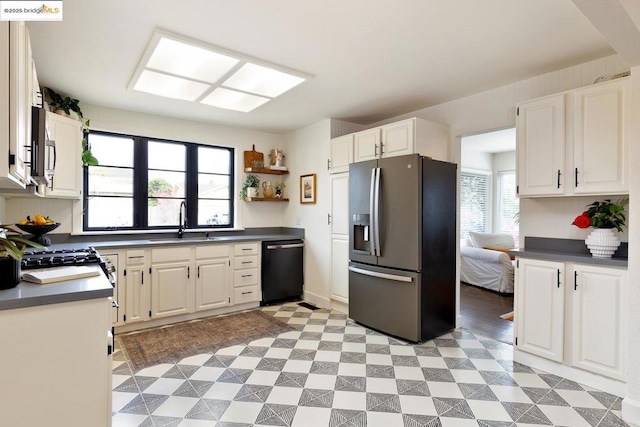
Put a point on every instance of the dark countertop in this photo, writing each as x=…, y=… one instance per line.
x=31, y=294
x=567, y=250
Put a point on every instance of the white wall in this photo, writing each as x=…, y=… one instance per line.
x=132, y=123
x=310, y=149
x=472, y=159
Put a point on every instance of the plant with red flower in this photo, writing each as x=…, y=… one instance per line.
x=582, y=221
x=605, y=214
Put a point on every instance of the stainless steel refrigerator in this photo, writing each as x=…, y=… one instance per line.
x=402, y=246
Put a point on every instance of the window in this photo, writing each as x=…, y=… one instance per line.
x=475, y=203
x=141, y=182
x=508, y=204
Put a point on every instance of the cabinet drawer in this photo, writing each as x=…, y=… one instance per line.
x=245, y=294
x=212, y=251
x=242, y=262
x=245, y=277
x=245, y=249
x=178, y=253
x=135, y=257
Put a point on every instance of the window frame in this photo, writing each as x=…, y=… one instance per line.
x=141, y=181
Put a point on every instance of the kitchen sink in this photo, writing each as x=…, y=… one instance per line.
x=183, y=239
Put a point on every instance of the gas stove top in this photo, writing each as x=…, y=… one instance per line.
x=61, y=257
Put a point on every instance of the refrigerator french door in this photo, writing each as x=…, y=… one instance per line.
x=402, y=246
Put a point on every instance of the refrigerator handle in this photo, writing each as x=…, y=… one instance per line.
x=376, y=230
x=372, y=210
x=387, y=276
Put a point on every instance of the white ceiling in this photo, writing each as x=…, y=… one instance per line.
x=371, y=60
x=491, y=142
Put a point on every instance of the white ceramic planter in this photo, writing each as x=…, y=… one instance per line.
x=602, y=242
x=252, y=192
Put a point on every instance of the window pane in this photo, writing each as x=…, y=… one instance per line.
x=110, y=212
x=163, y=155
x=107, y=181
x=112, y=150
x=214, y=160
x=213, y=186
x=475, y=203
x=213, y=212
x=166, y=184
x=163, y=212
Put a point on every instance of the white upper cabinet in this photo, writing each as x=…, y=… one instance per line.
x=575, y=142
x=67, y=134
x=341, y=154
x=541, y=147
x=15, y=103
x=400, y=138
x=600, y=146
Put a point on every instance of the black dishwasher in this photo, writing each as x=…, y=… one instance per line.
x=282, y=270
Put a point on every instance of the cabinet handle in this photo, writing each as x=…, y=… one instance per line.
x=576, y=177
x=247, y=262
x=142, y=280
x=188, y=272
x=375, y=150
x=247, y=249
x=135, y=257
x=328, y=164
x=246, y=293
x=559, y=178
x=575, y=280
x=558, y=278
x=381, y=149
x=198, y=271
x=247, y=275
x=328, y=219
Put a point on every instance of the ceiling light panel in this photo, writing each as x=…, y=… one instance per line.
x=262, y=80
x=233, y=100
x=190, y=61
x=169, y=86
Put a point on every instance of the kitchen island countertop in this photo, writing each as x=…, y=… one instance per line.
x=31, y=294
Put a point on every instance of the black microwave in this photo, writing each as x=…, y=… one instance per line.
x=43, y=150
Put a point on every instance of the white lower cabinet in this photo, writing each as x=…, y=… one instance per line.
x=246, y=273
x=540, y=308
x=171, y=284
x=599, y=320
x=574, y=314
x=213, y=277
x=339, y=235
x=137, y=288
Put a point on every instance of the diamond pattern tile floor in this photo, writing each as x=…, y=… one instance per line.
x=334, y=372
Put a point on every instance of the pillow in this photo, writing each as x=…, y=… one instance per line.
x=505, y=250
x=494, y=240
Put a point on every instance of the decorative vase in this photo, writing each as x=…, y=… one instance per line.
x=267, y=189
x=9, y=272
x=602, y=242
x=252, y=192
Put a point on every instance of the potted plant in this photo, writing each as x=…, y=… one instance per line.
x=280, y=189
x=71, y=108
x=12, y=248
x=250, y=186
x=604, y=217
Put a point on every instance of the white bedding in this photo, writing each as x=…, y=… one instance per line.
x=486, y=268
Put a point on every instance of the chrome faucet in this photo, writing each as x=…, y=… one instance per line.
x=182, y=222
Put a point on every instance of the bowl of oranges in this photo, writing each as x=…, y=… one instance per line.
x=38, y=226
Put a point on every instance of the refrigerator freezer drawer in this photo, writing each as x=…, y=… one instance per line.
x=385, y=299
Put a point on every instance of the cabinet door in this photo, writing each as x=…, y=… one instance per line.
x=212, y=284
x=540, y=134
x=600, y=147
x=366, y=145
x=170, y=293
x=137, y=295
x=339, y=188
x=67, y=134
x=341, y=152
x=20, y=101
x=599, y=320
x=540, y=308
x=398, y=138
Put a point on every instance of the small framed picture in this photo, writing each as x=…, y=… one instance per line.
x=308, y=188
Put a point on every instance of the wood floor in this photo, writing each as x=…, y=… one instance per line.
x=481, y=310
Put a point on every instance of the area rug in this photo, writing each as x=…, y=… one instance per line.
x=172, y=343
x=507, y=316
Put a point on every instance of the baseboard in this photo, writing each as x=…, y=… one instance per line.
x=599, y=382
x=459, y=321
x=631, y=411
x=340, y=306
x=317, y=300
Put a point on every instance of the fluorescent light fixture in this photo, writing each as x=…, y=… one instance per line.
x=234, y=100
x=190, y=61
x=176, y=67
x=169, y=86
x=262, y=80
